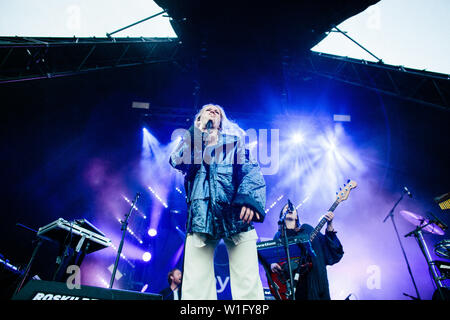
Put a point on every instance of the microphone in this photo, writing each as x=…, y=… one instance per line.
x=405, y=189
x=290, y=206
x=439, y=222
x=209, y=125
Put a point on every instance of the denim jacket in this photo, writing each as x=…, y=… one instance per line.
x=219, y=184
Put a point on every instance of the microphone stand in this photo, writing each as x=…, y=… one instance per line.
x=286, y=247
x=28, y=268
x=124, y=231
x=391, y=215
x=431, y=264
x=24, y=276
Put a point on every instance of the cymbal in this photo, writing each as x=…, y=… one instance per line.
x=418, y=221
x=442, y=249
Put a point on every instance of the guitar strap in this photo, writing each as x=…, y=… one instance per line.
x=302, y=262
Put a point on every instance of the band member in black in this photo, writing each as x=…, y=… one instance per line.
x=327, y=250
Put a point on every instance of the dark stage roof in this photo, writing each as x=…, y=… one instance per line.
x=261, y=27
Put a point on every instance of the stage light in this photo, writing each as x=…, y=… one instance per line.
x=158, y=197
x=297, y=138
x=177, y=255
x=181, y=233
x=147, y=256
x=103, y=281
x=132, y=233
x=301, y=203
x=332, y=147
x=135, y=207
x=140, y=105
x=144, y=288
x=150, y=145
x=122, y=256
x=274, y=203
x=180, y=192
x=342, y=118
x=152, y=232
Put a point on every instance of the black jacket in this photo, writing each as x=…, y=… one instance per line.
x=167, y=293
x=328, y=250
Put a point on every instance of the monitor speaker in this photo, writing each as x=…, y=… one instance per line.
x=49, y=290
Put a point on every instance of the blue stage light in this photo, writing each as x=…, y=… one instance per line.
x=152, y=232
x=298, y=138
x=147, y=256
x=332, y=147
x=144, y=288
x=158, y=197
x=181, y=233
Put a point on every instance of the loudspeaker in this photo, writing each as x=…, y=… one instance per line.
x=49, y=290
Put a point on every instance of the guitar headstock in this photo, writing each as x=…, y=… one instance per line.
x=345, y=191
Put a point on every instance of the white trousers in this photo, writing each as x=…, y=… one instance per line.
x=199, y=281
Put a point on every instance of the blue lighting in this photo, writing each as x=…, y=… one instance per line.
x=152, y=232
x=298, y=138
x=332, y=147
x=147, y=256
x=144, y=288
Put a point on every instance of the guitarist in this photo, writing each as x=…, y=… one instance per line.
x=313, y=284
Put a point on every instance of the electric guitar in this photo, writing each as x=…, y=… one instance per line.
x=278, y=282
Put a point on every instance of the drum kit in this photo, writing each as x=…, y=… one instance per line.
x=439, y=269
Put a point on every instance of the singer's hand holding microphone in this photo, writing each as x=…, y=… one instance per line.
x=210, y=136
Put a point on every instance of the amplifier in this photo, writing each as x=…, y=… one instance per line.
x=49, y=290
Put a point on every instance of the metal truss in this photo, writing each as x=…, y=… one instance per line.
x=422, y=87
x=24, y=58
